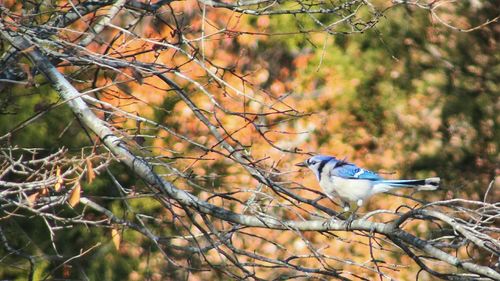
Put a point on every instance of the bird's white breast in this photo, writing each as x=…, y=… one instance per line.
x=347, y=189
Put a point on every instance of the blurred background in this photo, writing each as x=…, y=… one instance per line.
x=400, y=89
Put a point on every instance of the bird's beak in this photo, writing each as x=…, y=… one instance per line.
x=301, y=164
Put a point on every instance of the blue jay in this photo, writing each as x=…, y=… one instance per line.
x=351, y=183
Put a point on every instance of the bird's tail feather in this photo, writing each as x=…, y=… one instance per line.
x=423, y=184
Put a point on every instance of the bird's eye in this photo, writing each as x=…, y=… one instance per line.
x=312, y=162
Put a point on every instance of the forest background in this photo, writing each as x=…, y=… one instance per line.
x=408, y=89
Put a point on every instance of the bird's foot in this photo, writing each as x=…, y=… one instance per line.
x=345, y=209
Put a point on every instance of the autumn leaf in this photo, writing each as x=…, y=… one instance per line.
x=115, y=235
x=44, y=191
x=67, y=270
x=32, y=199
x=90, y=171
x=74, y=198
x=59, y=181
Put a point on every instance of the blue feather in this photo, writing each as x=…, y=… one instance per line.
x=351, y=171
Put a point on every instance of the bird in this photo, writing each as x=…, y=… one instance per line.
x=350, y=183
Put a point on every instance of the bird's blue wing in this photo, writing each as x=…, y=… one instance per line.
x=351, y=171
